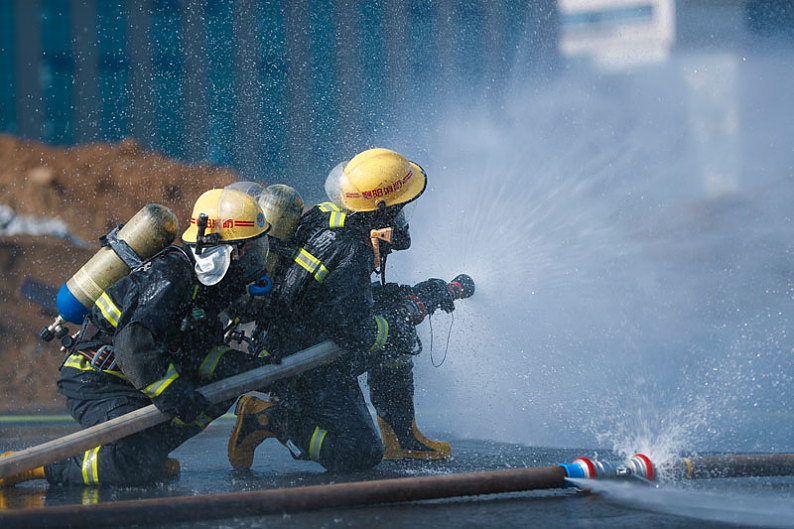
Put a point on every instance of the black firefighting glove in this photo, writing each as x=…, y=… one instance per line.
x=390, y=297
x=181, y=400
x=393, y=301
x=435, y=294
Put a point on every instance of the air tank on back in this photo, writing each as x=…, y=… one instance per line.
x=283, y=207
x=150, y=230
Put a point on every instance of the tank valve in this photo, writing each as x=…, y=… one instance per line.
x=56, y=329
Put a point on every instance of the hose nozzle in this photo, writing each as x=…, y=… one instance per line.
x=461, y=287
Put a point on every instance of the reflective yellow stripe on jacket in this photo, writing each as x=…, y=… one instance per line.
x=207, y=367
x=311, y=264
x=108, y=309
x=383, y=333
x=337, y=219
x=158, y=386
x=78, y=361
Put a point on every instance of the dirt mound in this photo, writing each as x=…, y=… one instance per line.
x=91, y=189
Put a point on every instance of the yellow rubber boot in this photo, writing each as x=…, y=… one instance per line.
x=254, y=425
x=27, y=475
x=415, y=446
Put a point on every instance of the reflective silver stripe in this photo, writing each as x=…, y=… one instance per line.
x=312, y=265
x=321, y=274
x=90, y=463
x=337, y=220
x=155, y=388
x=383, y=333
x=316, y=443
x=307, y=260
x=337, y=216
x=207, y=367
x=108, y=309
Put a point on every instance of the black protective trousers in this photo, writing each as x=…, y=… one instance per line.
x=391, y=391
x=328, y=402
x=134, y=460
x=328, y=420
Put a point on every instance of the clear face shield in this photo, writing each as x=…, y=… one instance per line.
x=250, y=259
x=401, y=236
x=252, y=189
x=335, y=182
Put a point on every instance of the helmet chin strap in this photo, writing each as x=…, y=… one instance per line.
x=375, y=236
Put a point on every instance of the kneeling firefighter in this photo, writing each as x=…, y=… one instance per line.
x=154, y=336
x=323, y=290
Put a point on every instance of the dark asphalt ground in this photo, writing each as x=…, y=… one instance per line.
x=205, y=470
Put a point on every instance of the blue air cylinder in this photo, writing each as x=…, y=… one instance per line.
x=150, y=230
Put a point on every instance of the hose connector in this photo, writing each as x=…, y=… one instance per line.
x=638, y=466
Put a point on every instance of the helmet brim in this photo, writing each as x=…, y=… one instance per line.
x=416, y=185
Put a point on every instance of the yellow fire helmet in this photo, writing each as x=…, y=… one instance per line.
x=227, y=225
x=225, y=216
x=375, y=177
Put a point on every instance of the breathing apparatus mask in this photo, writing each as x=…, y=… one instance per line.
x=389, y=232
x=401, y=236
x=244, y=260
x=211, y=263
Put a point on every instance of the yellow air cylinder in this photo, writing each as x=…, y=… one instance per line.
x=147, y=232
x=283, y=207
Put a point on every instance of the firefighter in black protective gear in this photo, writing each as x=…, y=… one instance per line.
x=155, y=336
x=323, y=291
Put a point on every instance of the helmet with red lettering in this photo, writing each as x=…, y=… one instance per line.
x=227, y=231
x=374, y=180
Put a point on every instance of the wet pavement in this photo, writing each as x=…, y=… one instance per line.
x=205, y=471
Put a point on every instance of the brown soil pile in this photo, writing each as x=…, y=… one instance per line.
x=92, y=188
